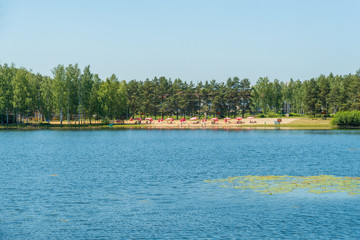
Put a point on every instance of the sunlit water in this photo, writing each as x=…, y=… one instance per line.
x=150, y=184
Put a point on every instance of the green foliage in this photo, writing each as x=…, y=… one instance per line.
x=79, y=95
x=112, y=98
x=272, y=115
x=47, y=97
x=347, y=118
x=311, y=97
x=59, y=90
x=269, y=115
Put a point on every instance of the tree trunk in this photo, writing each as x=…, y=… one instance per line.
x=68, y=110
x=199, y=107
x=61, y=117
x=82, y=116
x=39, y=111
x=7, y=116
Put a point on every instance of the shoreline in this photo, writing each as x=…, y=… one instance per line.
x=260, y=124
x=172, y=128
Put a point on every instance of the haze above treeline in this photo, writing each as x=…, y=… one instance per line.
x=74, y=94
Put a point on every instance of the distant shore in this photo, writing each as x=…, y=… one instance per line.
x=257, y=123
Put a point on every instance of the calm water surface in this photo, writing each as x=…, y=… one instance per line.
x=149, y=184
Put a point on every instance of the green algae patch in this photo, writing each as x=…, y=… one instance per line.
x=284, y=184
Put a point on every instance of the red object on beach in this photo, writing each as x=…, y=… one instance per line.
x=172, y=119
x=250, y=118
x=131, y=119
x=193, y=118
x=239, y=118
x=227, y=118
x=215, y=119
x=149, y=119
x=161, y=119
x=168, y=119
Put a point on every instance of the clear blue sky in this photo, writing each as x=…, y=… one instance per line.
x=194, y=40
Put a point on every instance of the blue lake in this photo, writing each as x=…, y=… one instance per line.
x=150, y=184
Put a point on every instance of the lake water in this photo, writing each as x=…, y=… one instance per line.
x=150, y=184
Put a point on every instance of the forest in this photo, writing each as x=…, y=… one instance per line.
x=80, y=96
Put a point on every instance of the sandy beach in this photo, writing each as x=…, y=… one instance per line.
x=257, y=123
x=210, y=124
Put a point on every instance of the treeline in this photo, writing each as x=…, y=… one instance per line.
x=74, y=95
x=70, y=94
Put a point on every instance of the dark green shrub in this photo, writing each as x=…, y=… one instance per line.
x=105, y=121
x=295, y=115
x=272, y=115
x=347, y=118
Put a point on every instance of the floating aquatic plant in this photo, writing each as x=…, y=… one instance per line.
x=284, y=184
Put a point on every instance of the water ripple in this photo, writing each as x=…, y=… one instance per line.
x=149, y=184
